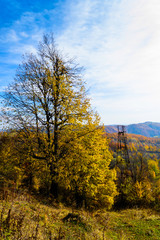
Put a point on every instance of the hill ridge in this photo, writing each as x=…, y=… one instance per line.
x=147, y=129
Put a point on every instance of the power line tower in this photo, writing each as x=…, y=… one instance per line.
x=122, y=144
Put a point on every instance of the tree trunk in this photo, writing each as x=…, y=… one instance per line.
x=79, y=199
x=54, y=189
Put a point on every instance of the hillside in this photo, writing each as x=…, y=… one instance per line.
x=25, y=217
x=147, y=129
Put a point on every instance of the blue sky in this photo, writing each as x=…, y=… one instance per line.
x=117, y=41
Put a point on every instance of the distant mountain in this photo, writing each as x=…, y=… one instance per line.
x=148, y=129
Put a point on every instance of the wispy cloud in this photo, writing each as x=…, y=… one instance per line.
x=21, y=37
x=118, y=43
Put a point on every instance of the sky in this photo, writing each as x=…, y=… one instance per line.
x=116, y=41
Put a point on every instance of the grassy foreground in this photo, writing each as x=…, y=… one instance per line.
x=22, y=217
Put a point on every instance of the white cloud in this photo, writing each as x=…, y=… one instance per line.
x=119, y=44
x=9, y=35
x=23, y=48
x=24, y=34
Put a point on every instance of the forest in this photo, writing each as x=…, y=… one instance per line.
x=137, y=180
x=53, y=148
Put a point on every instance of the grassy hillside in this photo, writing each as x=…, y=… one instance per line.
x=22, y=216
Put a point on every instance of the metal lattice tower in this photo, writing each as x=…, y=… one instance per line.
x=122, y=143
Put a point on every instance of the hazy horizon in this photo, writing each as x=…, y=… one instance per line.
x=131, y=123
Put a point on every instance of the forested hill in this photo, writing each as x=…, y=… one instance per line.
x=148, y=129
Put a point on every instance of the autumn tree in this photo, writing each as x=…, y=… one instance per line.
x=48, y=107
x=8, y=164
x=47, y=95
x=85, y=169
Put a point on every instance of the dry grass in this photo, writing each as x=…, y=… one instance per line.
x=22, y=217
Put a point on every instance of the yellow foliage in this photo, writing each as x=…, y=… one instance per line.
x=86, y=168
